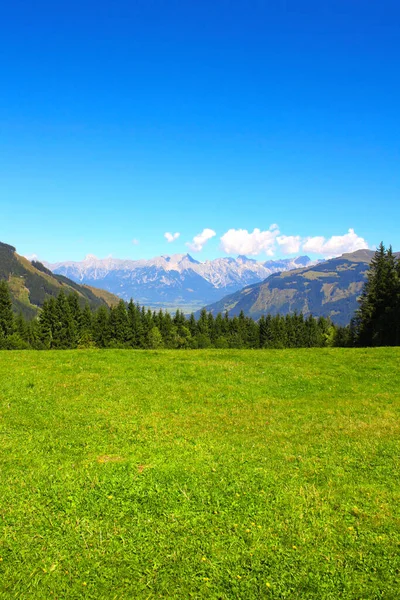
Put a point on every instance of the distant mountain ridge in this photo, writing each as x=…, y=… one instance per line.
x=328, y=289
x=178, y=280
x=32, y=283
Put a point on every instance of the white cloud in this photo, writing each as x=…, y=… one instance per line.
x=200, y=239
x=135, y=242
x=171, y=237
x=241, y=241
x=336, y=245
x=32, y=257
x=289, y=244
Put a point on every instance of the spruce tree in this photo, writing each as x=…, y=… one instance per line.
x=65, y=334
x=22, y=328
x=6, y=313
x=135, y=332
x=101, y=334
x=86, y=320
x=119, y=325
x=47, y=323
x=75, y=311
x=376, y=320
x=192, y=324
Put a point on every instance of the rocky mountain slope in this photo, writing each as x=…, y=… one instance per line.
x=173, y=281
x=328, y=289
x=31, y=283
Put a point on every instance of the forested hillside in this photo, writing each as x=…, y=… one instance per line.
x=63, y=323
x=31, y=284
x=329, y=289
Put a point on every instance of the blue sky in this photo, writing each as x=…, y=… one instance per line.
x=121, y=121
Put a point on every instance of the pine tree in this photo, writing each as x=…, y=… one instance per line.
x=147, y=326
x=101, y=334
x=6, y=314
x=47, y=323
x=397, y=305
x=168, y=330
x=22, y=328
x=376, y=320
x=218, y=326
x=192, y=324
x=86, y=320
x=75, y=310
x=203, y=332
x=119, y=325
x=203, y=323
x=312, y=332
x=65, y=334
x=135, y=333
x=262, y=331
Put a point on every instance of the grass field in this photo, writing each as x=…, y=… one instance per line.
x=200, y=474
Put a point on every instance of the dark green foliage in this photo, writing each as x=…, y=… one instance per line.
x=86, y=319
x=64, y=323
x=66, y=331
x=101, y=333
x=377, y=321
x=328, y=289
x=6, y=313
x=119, y=325
x=33, y=284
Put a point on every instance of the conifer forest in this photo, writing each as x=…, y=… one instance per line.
x=64, y=324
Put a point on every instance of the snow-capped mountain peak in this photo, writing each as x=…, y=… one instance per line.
x=177, y=279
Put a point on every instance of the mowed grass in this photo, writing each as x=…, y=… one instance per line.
x=200, y=474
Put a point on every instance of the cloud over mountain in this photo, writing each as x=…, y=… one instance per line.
x=241, y=241
x=200, y=239
x=336, y=245
x=289, y=244
x=269, y=241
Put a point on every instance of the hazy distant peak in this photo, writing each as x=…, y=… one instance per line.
x=178, y=258
x=176, y=277
x=303, y=260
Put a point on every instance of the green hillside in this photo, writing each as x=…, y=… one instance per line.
x=328, y=289
x=31, y=283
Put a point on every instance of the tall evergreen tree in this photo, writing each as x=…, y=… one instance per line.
x=65, y=334
x=377, y=321
x=119, y=324
x=135, y=333
x=6, y=314
x=101, y=334
x=86, y=319
x=47, y=323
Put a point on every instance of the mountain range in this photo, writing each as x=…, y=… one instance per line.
x=32, y=283
x=328, y=289
x=177, y=281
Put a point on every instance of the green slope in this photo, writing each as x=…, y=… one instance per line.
x=328, y=289
x=31, y=283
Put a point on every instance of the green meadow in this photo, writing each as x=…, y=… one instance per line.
x=200, y=474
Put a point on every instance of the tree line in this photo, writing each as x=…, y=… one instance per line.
x=62, y=323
